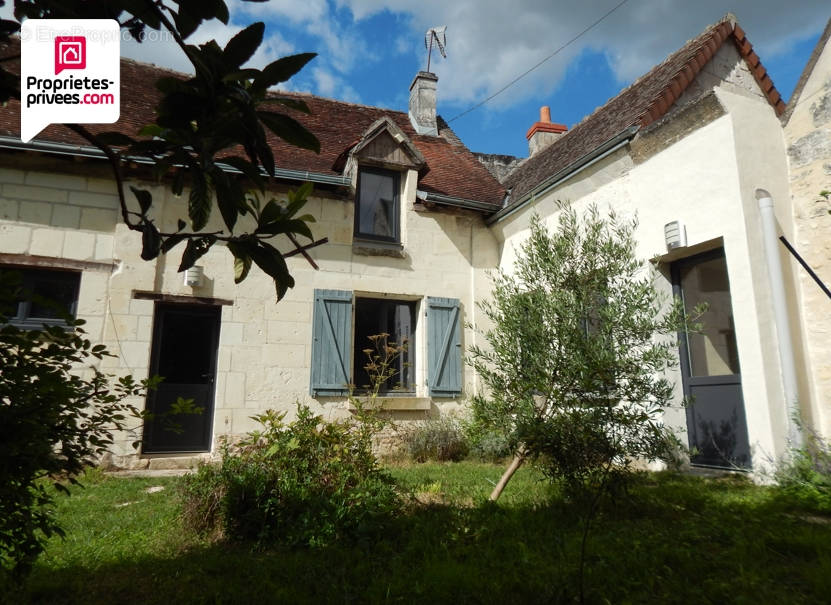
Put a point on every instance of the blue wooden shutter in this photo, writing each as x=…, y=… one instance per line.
x=331, y=343
x=444, y=347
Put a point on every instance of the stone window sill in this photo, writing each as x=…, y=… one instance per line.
x=364, y=247
x=400, y=402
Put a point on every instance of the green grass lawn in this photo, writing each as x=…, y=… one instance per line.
x=674, y=539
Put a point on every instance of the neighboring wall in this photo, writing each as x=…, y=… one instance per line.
x=265, y=346
x=808, y=136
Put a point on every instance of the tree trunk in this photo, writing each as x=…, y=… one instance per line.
x=519, y=458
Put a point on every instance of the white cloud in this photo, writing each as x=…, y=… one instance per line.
x=490, y=42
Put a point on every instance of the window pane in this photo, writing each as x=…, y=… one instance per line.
x=376, y=205
x=712, y=352
x=395, y=318
x=45, y=295
x=53, y=294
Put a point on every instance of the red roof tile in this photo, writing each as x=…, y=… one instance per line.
x=452, y=170
x=645, y=101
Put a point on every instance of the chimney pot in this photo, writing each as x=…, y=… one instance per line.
x=544, y=132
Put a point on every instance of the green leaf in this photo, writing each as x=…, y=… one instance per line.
x=178, y=184
x=282, y=69
x=195, y=249
x=145, y=199
x=240, y=48
x=285, y=226
x=270, y=260
x=290, y=130
x=180, y=224
x=242, y=260
x=242, y=74
x=151, y=130
x=296, y=104
x=185, y=21
x=250, y=171
x=150, y=241
x=227, y=198
x=199, y=201
x=172, y=241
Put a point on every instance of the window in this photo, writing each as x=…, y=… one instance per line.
x=46, y=296
x=338, y=356
x=375, y=316
x=377, y=206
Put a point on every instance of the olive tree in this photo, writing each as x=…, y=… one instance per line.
x=575, y=361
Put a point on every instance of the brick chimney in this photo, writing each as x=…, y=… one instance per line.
x=543, y=133
x=423, y=103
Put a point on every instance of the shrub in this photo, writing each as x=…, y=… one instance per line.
x=486, y=444
x=308, y=482
x=441, y=439
x=56, y=418
x=805, y=475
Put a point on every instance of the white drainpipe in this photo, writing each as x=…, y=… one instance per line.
x=780, y=313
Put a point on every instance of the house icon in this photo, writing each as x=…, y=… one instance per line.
x=70, y=53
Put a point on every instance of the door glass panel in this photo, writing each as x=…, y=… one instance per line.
x=186, y=352
x=712, y=351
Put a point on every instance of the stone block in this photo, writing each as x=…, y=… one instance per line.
x=144, y=328
x=287, y=332
x=57, y=181
x=284, y=356
x=46, y=242
x=136, y=355
x=231, y=333
x=11, y=175
x=234, y=395
x=104, y=247
x=102, y=186
x=64, y=215
x=141, y=307
x=38, y=194
x=98, y=219
x=8, y=209
x=35, y=212
x=125, y=326
x=244, y=357
x=97, y=200
x=78, y=245
x=14, y=239
x=254, y=332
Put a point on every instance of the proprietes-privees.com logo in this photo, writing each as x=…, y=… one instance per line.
x=69, y=73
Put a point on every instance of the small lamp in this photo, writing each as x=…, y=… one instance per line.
x=194, y=275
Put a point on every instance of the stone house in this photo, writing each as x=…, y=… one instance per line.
x=415, y=222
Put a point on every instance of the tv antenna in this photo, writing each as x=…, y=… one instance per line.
x=437, y=34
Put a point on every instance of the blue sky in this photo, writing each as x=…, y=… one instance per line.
x=369, y=51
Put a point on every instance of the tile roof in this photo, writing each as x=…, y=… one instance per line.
x=452, y=170
x=645, y=101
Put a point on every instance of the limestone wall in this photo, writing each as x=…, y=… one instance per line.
x=808, y=136
x=265, y=347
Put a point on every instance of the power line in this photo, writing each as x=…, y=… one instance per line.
x=522, y=75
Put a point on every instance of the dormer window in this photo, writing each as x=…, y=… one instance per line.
x=377, y=208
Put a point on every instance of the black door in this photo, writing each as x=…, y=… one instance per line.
x=716, y=422
x=185, y=340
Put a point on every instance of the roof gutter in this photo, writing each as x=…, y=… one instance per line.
x=453, y=201
x=93, y=152
x=559, y=177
